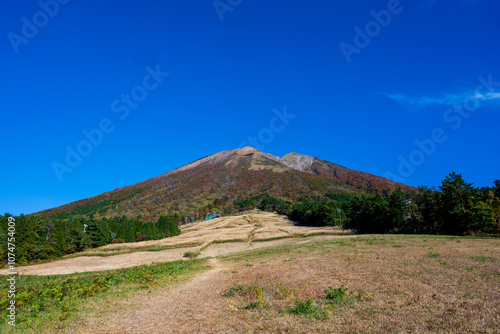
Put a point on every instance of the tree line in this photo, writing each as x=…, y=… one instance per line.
x=38, y=238
x=454, y=208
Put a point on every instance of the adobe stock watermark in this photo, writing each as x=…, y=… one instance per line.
x=11, y=280
x=30, y=27
x=372, y=29
x=121, y=107
x=453, y=117
x=223, y=6
x=266, y=135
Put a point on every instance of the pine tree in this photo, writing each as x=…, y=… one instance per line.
x=457, y=196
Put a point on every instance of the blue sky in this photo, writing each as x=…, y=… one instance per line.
x=134, y=89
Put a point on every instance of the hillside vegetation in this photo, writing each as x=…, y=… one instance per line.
x=219, y=180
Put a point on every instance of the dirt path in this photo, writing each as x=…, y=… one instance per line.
x=186, y=308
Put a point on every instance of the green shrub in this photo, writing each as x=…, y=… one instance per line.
x=232, y=291
x=307, y=307
x=335, y=296
x=252, y=305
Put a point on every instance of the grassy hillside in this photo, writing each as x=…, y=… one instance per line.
x=374, y=284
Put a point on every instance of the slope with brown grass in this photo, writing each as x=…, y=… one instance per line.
x=235, y=233
x=398, y=284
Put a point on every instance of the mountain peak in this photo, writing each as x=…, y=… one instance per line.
x=298, y=161
x=248, y=149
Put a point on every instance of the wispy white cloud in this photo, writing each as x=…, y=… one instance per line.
x=444, y=100
x=488, y=96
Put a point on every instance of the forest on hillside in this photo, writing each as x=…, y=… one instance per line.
x=454, y=208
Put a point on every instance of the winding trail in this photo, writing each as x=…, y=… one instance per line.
x=185, y=308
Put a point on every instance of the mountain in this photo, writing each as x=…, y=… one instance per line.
x=223, y=178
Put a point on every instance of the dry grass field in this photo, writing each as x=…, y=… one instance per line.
x=252, y=230
x=394, y=284
x=379, y=284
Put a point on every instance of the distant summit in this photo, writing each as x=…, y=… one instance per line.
x=225, y=177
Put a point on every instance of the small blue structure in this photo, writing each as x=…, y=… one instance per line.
x=212, y=215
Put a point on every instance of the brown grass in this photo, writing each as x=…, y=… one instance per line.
x=192, y=254
x=403, y=286
x=202, y=238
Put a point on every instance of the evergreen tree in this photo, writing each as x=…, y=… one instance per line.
x=396, y=212
x=59, y=236
x=457, y=196
x=28, y=229
x=161, y=226
x=430, y=219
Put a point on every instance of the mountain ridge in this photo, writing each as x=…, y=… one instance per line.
x=220, y=179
